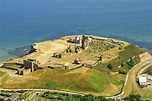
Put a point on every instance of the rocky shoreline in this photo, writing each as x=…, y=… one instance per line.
x=25, y=49
x=21, y=51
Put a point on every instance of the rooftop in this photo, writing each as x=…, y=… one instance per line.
x=142, y=79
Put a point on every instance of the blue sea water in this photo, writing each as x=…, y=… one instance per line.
x=23, y=22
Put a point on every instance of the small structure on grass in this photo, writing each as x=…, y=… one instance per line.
x=77, y=61
x=14, y=97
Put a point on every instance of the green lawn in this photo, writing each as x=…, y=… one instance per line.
x=91, y=81
x=123, y=56
x=98, y=80
x=148, y=94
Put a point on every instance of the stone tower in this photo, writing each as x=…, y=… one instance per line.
x=31, y=64
x=85, y=42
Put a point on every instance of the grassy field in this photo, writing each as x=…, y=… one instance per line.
x=148, y=94
x=3, y=77
x=2, y=74
x=82, y=80
x=123, y=56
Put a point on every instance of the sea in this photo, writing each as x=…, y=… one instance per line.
x=23, y=22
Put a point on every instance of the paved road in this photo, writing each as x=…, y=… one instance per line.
x=42, y=90
x=146, y=61
x=139, y=66
x=35, y=91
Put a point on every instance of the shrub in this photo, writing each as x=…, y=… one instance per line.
x=109, y=66
x=122, y=72
x=133, y=98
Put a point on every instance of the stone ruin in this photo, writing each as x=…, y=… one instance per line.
x=58, y=55
x=77, y=61
x=30, y=65
x=58, y=66
x=82, y=40
x=85, y=42
x=76, y=39
x=70, y=49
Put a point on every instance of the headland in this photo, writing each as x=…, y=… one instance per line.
x=81, y=63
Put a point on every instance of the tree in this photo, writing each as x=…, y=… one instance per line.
x=109, y=66
x=133, y=98
x=122, y=72
x=122, y=64
x=76, y=49
x=131, y=62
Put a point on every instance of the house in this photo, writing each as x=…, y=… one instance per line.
x=14, y=97
x=142, y=81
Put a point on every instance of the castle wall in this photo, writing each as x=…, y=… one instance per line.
x=8, y=65
x=23, y=71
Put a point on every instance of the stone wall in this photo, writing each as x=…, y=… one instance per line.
x=23, y=71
